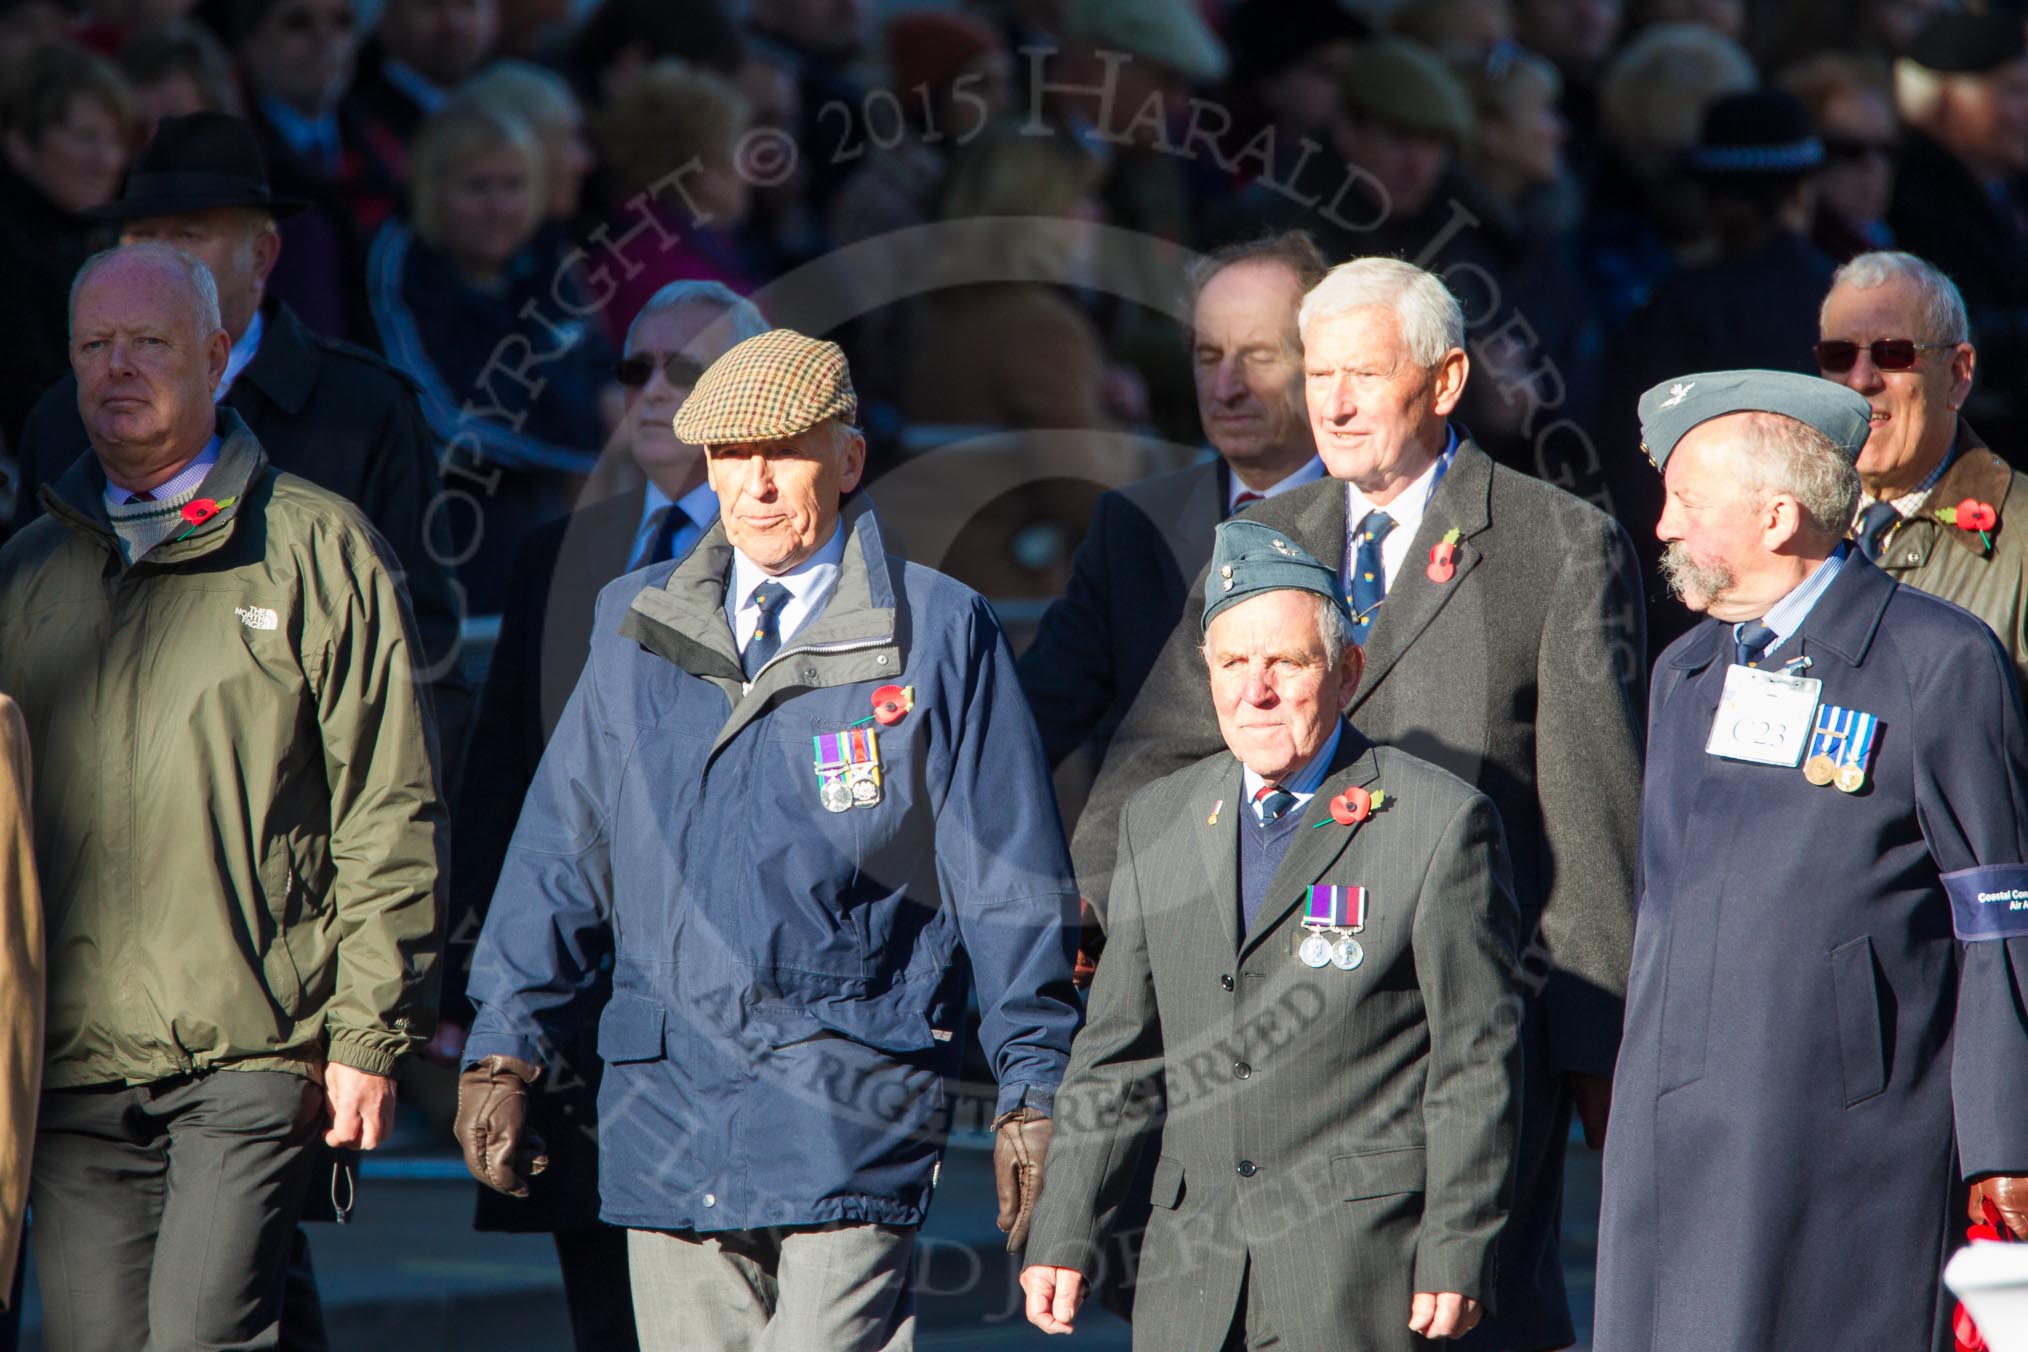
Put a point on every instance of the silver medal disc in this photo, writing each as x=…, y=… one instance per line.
x=835, y=796
x=1315, y=951
x=1347, y=954
x=865, y=791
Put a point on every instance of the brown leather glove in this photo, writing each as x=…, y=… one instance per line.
x=492, y=1124
x=2009, y=1197
x=1022, y=1144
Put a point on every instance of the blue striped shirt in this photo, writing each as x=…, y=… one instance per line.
x=1303, y=784
x=1786, y=615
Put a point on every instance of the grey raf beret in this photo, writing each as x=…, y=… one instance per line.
x=1672, y=408
x=1248, y=558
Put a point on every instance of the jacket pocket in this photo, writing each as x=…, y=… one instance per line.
x=630, y=1029
x=1855, y=991
x=279, y=972
x=1166, y=1188
x=1377, y=1173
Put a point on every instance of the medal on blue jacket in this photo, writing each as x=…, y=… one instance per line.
x=1858, y=751
x=848, y=768
x=1840, y=747
x=1334, y=914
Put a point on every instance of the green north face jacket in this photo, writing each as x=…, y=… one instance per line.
x=237, y=819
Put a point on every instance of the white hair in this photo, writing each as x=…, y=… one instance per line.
x=1334, y=628
x=1779, y=454
x=1917, y=92
x=203, y=288
x=742, y=318
x=1432, y=322
x=1943, y=308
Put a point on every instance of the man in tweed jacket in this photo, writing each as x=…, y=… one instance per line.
x=1311, y=959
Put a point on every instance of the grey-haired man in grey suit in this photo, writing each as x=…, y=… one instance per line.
x=1311, y=956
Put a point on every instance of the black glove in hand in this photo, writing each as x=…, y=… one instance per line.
x=1021, y=1144
x=492, y=1124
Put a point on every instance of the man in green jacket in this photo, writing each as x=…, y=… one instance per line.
x=238, y=831
x=1894, y=329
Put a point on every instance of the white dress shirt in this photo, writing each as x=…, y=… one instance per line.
x=699, y=507
x=243, y=353
x=1304, y=783
x=809, y=587
x=185, y=481
x=1407, y=509
x=1312, y=470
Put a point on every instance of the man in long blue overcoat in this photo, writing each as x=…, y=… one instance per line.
x=1826, y=1049
x=798, y=801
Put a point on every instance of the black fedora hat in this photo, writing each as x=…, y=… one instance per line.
x=1757, y=134
x=196, y=163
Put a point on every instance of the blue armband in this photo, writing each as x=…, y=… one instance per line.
x=1989, y=902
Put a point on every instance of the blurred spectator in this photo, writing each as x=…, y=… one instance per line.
x=1288, y=60
x=817, y=42
x=108, y=25
x=1753, y=304
x=1642, y=214
x=950, y=77
x=1516, y=151
x=1727, y=18
x=511, y=378
x=1881, y=29
x=297, y=59
x=21, y=994
x=1579, y=36
x=28, y=26
x=68, y=121
x=176, y=69
x=1851, y=105
x=544, y=636
x=622, y=38
x=673, y=190
x=420, y=51
x=1464, y=32
x=535, y=30
x=543, y=99
x=1959, y=200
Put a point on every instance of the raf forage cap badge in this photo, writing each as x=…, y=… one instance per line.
x=1671, y=409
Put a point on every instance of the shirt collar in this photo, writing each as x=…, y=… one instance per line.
x=1311, y=471
x=307, y=136
x=243, y=353
x=1786, y=616
x=424, y=92
x=805, y=581
x=1910, y=503
x=1411, y=503
x=1305, y=782
x=700, y=504
x=186, y=480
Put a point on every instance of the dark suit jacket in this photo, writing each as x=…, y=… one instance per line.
x=1146, y=543
x=346, y=421
x=1353, y=1132
x=1523, y=675
x=545, y=633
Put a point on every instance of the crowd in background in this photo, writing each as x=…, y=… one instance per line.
x=487, y=191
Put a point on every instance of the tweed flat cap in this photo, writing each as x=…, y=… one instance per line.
x=1672, y=408
x=773, y=385
x=1248, y=558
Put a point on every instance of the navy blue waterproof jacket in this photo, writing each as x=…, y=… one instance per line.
x=1826, y=1028
x=788, y=982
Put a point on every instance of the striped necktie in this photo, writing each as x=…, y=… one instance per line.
x=1272, y=802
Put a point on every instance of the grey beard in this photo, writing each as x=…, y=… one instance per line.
x=1685, y=576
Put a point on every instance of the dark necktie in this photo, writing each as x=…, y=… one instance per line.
x=140, y=497
x=668, y=520
x=1369, y=575
x=1750, y=642
x=1246, y=499
x=1273, y=801
x=1876, y=521
x=769, y=598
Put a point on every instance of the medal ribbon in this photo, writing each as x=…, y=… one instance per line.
x=1833, y=727
x=1859, y=741
x=1334, y=907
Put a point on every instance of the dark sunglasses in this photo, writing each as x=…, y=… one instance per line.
x=1889, y=354
x=676, y=368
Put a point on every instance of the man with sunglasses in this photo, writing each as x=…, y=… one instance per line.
x=1894, y=330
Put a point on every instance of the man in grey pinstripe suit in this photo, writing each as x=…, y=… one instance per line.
x=1311, y=965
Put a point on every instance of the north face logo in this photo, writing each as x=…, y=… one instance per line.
x=257, y=617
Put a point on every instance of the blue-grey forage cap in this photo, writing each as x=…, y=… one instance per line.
x=1673, y=407
x=1248, y=558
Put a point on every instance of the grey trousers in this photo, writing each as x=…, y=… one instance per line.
x=164, y=1212
x=839, y=1288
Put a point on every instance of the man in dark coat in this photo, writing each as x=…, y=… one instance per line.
x=1503, y=642
x=545, y=635
x=332, y=413
x=1148, y=540
x=1824, y=1030
x=799, y=800
x=1341, y=1070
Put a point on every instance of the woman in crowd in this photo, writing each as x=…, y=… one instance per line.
x=66, y=130
x=544, y=100
x=512, y=378
x=1852, y=107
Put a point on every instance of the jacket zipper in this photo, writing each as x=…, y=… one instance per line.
x=824, y=650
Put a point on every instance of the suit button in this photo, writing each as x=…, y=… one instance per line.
x=1226, y=981
x=1247, y=1168
x=1241, y=1069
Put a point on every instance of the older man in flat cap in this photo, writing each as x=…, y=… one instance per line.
x=798, y=799
x=1312, y=950
x=1824, y=1026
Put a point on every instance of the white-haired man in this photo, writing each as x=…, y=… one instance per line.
x=1503, y=632
x=1938, y=505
